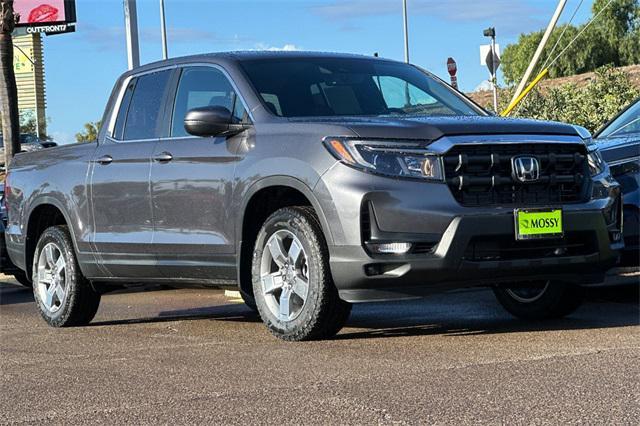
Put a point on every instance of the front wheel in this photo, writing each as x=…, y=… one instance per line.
x=292, y=284
x=540, y=300
x=63, y=296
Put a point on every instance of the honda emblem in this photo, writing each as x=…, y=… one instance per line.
x=525, y=169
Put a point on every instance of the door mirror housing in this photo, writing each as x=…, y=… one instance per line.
x=211, y=121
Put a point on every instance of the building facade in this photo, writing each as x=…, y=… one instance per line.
x=28, y=64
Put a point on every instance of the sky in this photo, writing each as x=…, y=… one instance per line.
x=82, y=67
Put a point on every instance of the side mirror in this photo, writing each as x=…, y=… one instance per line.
x=211, y=121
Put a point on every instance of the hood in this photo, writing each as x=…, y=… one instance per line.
x=433, y=128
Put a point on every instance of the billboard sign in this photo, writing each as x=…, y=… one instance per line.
x=46, y=16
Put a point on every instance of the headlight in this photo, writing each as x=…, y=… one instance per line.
x=396, y=158
x=596, y=163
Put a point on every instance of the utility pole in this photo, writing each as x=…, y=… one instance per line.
x=163, y=29
x=406, y=31
x=8, y=89
x=541, y=46
x=495, y=72
x=131, y=29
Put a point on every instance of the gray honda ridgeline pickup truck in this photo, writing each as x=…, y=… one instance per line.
x=311, y=181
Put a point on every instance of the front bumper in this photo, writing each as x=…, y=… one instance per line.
x=459, y=246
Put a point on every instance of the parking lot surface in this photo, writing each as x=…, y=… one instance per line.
x=195, y=356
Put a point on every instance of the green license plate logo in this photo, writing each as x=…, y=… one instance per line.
x=538, y=224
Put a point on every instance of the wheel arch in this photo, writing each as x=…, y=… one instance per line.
x=45, y=212
x=245, y=246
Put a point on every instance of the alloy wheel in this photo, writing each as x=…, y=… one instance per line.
x=51, y=282
x=284, y=275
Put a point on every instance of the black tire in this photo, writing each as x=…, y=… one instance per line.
x=553, y=300
x=249, y=301
x=323, y=313
x=21, y=277
x=81, y=301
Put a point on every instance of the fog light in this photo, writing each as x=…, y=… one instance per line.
x=373, y=270
x=389, y=248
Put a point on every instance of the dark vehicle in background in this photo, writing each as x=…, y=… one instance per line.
x=311, y=181
x=28, y=143
x=619, y=144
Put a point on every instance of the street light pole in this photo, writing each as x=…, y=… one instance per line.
x=163, y=29
x=493, y=62
x=131, y=29
x=494, y=77
x=406, y=31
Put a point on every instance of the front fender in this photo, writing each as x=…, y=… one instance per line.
x=286, y=181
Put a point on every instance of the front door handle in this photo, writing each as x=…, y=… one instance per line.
x=163, y=157
x=104, y=160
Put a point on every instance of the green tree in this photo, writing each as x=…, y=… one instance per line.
x=90, y=132
x=619, y=28
x=29, y=124
x=614, y=38
x=589, y=106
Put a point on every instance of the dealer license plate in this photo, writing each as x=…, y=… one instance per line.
x=538, y=223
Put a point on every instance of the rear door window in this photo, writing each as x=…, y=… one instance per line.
x=144, y=116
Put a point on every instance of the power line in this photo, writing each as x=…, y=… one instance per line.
x=555, y=46
x=546, y=69
x=580, y=33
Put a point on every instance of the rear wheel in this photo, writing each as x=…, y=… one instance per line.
x=540, y=300
x=63, y=296
x=292, y=284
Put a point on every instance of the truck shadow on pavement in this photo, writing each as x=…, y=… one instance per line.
x=475, y=312
x=460, y=313
x=470, y=312
x=14, y=294
x=230, y=312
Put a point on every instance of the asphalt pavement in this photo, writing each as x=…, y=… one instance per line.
x=191, y=356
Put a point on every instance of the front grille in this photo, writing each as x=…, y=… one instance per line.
x=498, y=248
x=480, y=175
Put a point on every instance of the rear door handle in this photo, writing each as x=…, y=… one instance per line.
x=163, y=157
x=104, y=160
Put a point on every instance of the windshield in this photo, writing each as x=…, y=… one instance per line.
x=626, y=124
x=308, y=87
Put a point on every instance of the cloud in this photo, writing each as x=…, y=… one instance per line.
x=487, y=12
x=102, y=37
x=284, y=48
x=483, y=86
x=113, y=37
